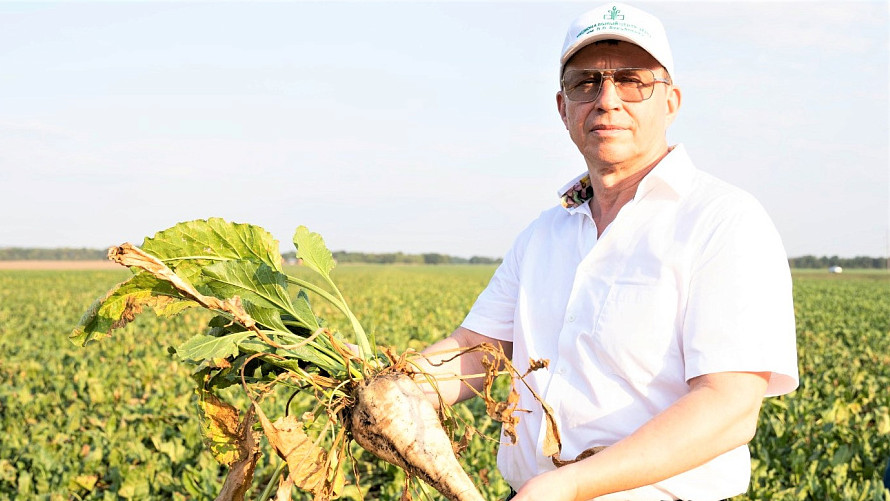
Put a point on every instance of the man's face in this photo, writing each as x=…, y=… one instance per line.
x=614, y=135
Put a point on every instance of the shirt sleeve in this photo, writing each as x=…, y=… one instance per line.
x=493, y=312
x=739, y=311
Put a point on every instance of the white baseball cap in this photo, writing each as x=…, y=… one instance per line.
x=616, y=21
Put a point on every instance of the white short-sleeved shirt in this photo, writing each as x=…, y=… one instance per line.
x=691, y=278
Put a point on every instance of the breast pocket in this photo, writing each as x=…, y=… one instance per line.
x=637, y=332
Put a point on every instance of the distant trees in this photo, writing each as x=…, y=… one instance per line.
x=860, y=262
x=402, y=258
x=384, y=258
x=83, y=254
x=59, y=254
x=70, y=254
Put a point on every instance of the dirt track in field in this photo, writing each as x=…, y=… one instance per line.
x=58, y=265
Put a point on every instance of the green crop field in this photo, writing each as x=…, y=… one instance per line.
x=117, y=419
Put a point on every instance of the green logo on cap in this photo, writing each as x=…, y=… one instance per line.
x=614, y=14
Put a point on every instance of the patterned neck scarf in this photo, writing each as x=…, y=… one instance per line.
x=578, y=194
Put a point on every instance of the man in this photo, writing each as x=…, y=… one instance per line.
x=660, y=296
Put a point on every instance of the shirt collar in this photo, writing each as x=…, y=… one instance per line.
x=673, y=172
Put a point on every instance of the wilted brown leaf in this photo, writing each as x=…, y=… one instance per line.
x=129, y=255
x=241, y=470
x=552, y=443
x=221, y=428
x=585, y=454
x=505, y=412
x=162, y=305
x=232, y=443
x=285, y=488
x=534, y=365
x=306, y=461
x=464, y=441
x=406, y=489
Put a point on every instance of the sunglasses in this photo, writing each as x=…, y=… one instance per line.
x=631, y=84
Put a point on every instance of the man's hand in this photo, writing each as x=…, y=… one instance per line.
x=551, y=486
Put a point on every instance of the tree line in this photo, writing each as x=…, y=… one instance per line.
x=858, y=262
x=84, y=254
x=57, y=254
x=401, y=258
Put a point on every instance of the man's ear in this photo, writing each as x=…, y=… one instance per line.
x=561, y=107
x=672, y=105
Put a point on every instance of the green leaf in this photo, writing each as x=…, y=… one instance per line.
x=214, y=239
x=263, y=290
x=269, y=318
x=304, y=311
x=174, y=448
x=313, y=251
x=316, y=256
x=223, y=323
x=86, y=482
x=252, y=281
x=135, y=483
x=203, y=347
x=123, y=302
x=307, y=353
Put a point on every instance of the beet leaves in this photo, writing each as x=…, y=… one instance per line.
x=262, y=336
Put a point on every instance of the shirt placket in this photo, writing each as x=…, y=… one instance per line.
x=577, y=316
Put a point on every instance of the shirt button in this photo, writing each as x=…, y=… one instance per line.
x=561, y=371
x=571, y=318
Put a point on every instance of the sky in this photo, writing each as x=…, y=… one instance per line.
x=415, y=127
